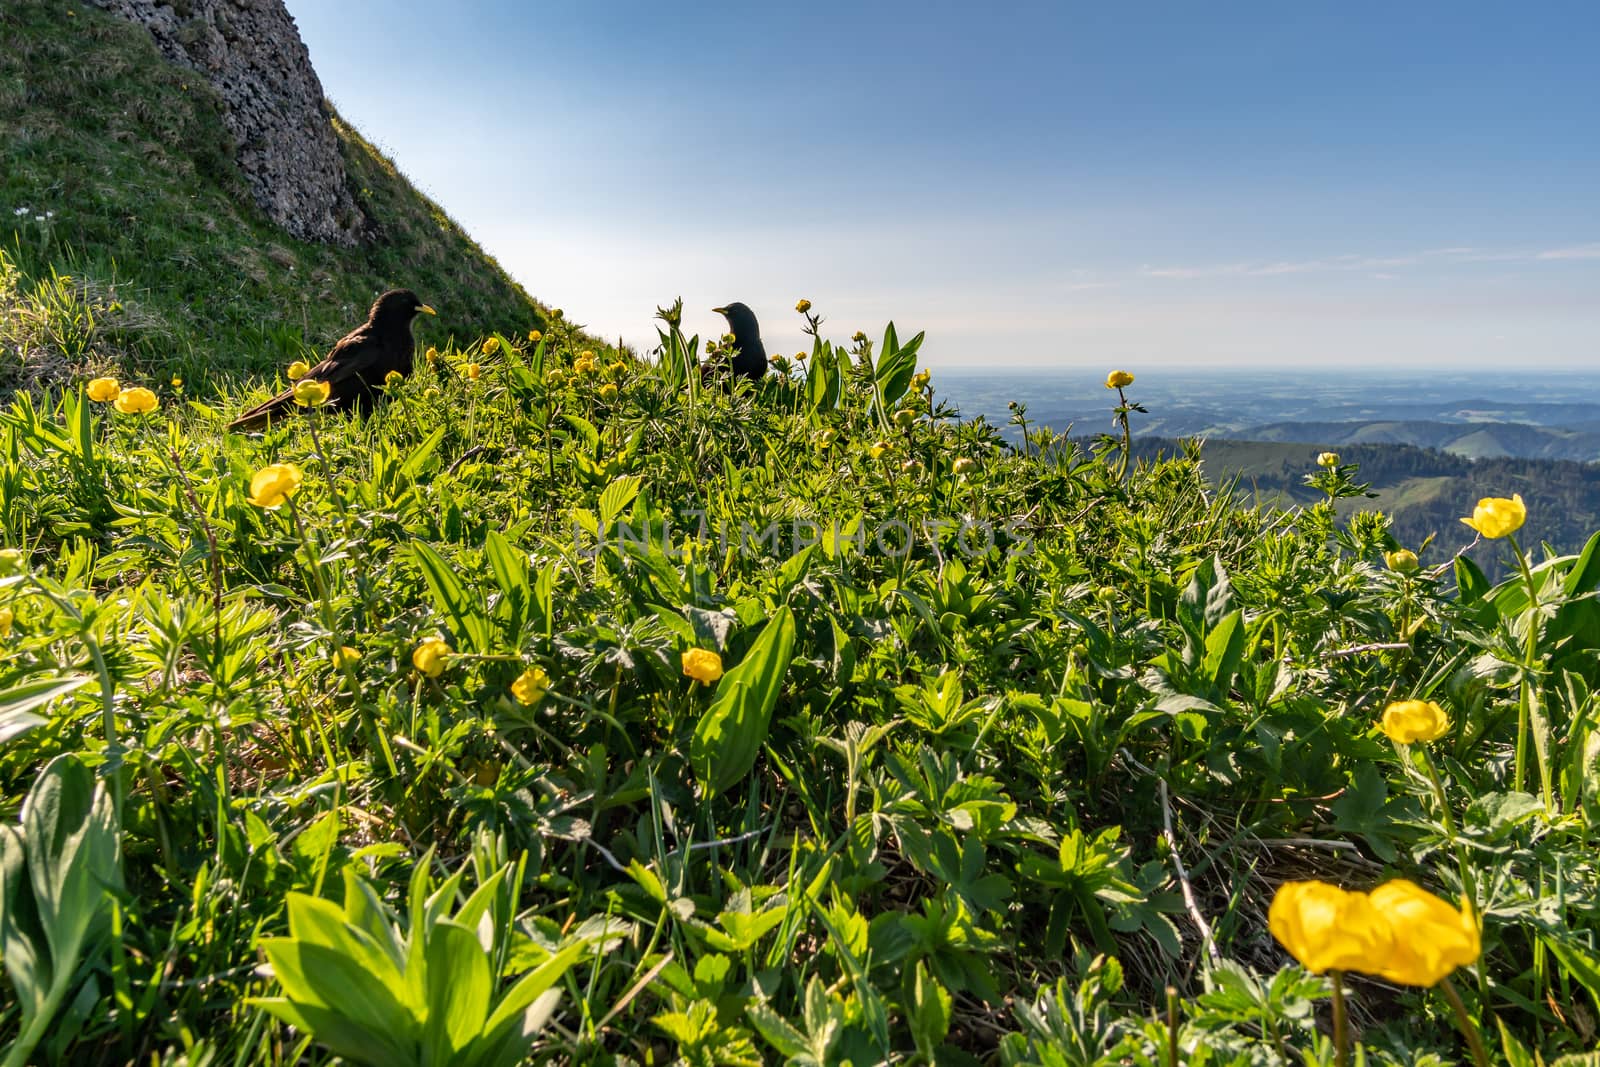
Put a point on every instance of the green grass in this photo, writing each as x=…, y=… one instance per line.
x=154, y=260
x=935, y=810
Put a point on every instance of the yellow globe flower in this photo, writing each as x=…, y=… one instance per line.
x=1429, y=937
x=965, y=465
x=1328, y=929
x=310, y=393
x=393, y=379
x=346, y=656
x=491, y=346
x=431, y=393
x=1408, y=721
x=921, y=379
x=298, y=369
x=826, y=438
x=608, y=392
x=703, y=665
x=534, y=336
x=177, y=382
x=912, y=466
x=104, y=390
x=430, y=656
x=904, y=418
x=878, y=449
x=1495, y=516
x=473, y=372
x=431, y=355
x=7, y=617
x=12, y=561
x=585, y=363
x=530, y=686
x=557, y=314
x=1117, y=379
x=803, y=306
x=616, y=369
x=1327, y=459
x=1402, y=560
x=136, y=401
x=273, y=484
x=859, y=337
x=801, y=357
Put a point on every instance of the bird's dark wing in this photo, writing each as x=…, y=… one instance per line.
x=353, y=368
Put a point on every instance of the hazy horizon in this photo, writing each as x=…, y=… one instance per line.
x=1262, y=184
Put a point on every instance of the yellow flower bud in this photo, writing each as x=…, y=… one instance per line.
x=801, y=357
x=7, y=617
x=473, y=372
x=1327, y=459
x=136, y=401
x=912, y=466
x=859, y=337
x=965, y=465
x=298, y=369
x=310, y=393
x=273, y=484
x=1495, y=516
x=346, y=657
x=530, y=686
x=431, y=355
x=1407, y=721
x=803, y=306
x=491, y=346
x=1402, y=560
x=703, y=665
x=878, y=449
x=904, y=418
x=430, y=656
x=393, y=379
x=608, y=392
x=104, y=390
x=534, y=336
x=1118, y=379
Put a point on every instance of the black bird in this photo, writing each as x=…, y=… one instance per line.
x=358, y=364
x=751, y=359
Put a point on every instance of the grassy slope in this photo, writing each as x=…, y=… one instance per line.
x=1422, y=490
x=167, y=256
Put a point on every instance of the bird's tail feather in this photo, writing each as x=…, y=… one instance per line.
x=262, y=414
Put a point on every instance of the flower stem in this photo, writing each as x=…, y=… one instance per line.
x=1525, y=693
x=1469, y=1029
x=1341, y=1035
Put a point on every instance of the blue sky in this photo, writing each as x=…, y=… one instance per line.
x=1072, y=185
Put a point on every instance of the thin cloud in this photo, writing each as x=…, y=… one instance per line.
x=1382, y=264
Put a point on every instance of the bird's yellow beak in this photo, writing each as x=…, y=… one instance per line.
x=426, y=310
x=720, y=311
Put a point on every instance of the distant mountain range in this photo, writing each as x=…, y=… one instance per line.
x=1475, y=416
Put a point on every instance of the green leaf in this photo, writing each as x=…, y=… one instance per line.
x=1224, y=649
x=22, y=944
x=18, y=702
x=930, y=1012
x=314, y=976
x=468, y=621
x=1470, y=581
x=459, y=988
x=897, y=365
x=617, y=496
x=72, y=845
x=341, y=1034
x=730, y=734
x=531, y=986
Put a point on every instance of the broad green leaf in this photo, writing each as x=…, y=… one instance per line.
x=730, y=734
x=469, y=623
x=459, y=989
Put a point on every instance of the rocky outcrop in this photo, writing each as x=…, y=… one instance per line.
x=251, y=53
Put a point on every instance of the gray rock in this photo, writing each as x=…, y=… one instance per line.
x=251, y=53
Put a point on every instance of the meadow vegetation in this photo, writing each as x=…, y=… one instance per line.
x=569, y=709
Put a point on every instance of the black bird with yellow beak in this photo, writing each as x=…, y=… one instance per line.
x=357, y=366
x=750, y=357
